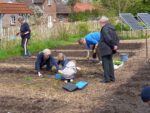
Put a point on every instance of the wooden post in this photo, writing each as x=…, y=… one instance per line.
x=146, y=44
x=26, y=17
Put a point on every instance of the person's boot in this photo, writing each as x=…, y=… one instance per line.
x=28, y=53
x=105, y=81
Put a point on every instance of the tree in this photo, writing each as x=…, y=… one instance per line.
x=146, y=1
x=72, y=2
x=119, y=5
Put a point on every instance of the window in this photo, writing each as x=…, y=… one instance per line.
x=12, y=20
x=49, y=2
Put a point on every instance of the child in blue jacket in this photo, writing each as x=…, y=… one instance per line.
x=62, y=60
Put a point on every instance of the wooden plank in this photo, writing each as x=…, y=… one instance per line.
x=84, y=50
x=72, y=58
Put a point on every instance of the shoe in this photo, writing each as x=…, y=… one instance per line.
x=105, y=81
x=99, y=63
x=112, y=80
x=26, y=56
x=94, y=60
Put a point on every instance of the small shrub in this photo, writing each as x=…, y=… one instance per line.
x=122, y=27
x=85, y=16
x=82, y=29
x=62, y=32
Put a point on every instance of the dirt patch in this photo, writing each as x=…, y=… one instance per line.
x=29, y=105
x=45, y=95
x=130, y=46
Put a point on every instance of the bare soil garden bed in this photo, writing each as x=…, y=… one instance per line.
x=21, y=91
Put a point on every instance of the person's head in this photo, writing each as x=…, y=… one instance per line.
x=21, y=19
x=47, y=53
x=60, y=56
x=145, y=95
x=82, y=41
x=103, y=20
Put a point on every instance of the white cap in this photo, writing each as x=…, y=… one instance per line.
x=104, y=19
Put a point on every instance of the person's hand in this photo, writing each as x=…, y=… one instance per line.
x=60, y=71
x=54, y=69
x=96, y=46
x=94, y=51
x=115, y=47
x=39, y=74
x=78, y=68
x=17, y=34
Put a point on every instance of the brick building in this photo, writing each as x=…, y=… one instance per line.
x=9, y=13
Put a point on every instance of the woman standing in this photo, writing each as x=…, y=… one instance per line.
x=25, y=34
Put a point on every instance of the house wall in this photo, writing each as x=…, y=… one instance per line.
x=7, y=20
x=50, y=10
x=1, y=1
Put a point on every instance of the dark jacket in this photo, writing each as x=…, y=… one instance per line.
x=63, y=63
x=40, y=62
x=23, y=29
x=108, y=40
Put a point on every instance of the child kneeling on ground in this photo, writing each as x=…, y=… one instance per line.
x=62, y=60
x=69, y=71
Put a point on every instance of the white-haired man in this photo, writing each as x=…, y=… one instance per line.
x=108, y=46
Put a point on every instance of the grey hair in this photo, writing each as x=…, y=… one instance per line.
x=21, y=18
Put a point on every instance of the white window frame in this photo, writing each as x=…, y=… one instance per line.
x=49, y=2
x=32, y=1
x=12, y=20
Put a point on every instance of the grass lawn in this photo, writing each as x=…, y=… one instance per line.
x=36, y=45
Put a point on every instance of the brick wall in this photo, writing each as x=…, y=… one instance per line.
x=50, y=10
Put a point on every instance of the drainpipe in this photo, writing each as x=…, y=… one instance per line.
x=1, y=24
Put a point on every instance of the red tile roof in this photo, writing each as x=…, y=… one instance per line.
x=14, y=8
x=81, y=7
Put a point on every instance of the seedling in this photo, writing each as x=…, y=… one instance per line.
x=28, y=78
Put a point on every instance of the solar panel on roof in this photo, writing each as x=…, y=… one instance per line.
x=131, y=21
x=145, y=17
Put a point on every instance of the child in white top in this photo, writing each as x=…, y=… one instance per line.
x=69, y=70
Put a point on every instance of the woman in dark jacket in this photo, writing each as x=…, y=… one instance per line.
x=45, y=58
x=25, y=33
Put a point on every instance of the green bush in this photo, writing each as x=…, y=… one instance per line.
x=84, y=16
x=82, y=29
x=122, y=27
x=139, y=7
x=62, y=32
